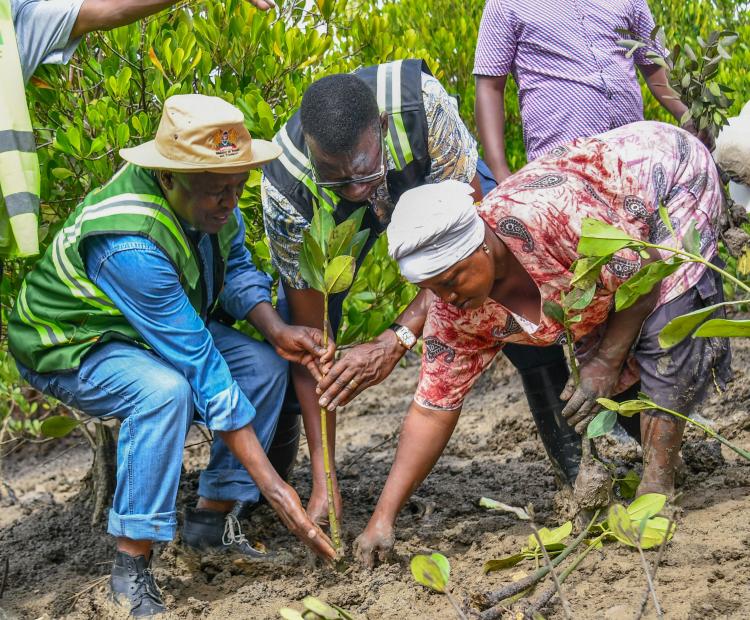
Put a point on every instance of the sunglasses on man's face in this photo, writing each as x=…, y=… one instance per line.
x=368, y=178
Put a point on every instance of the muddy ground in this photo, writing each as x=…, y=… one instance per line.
x=58, y=564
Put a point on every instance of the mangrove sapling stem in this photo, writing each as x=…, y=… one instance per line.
x=459, y=612
x=547, y=561
x=709, y=431
x=644, y=600
x=332, y=520
x=649, y=580
x=695, y=258
x=572, y=355
x=492, y=599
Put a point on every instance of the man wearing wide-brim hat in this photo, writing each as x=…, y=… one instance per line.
x=116, y=320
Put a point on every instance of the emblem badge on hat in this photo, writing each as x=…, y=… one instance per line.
x=225, y=143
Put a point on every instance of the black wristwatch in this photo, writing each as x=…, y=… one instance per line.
x=405, y=336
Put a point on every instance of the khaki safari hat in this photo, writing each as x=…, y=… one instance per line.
x=198, y=133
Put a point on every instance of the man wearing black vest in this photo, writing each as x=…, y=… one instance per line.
x=364, y=139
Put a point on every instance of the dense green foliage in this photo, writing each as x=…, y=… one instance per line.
x=111, y=93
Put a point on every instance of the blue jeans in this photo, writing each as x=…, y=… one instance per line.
x=154, y=403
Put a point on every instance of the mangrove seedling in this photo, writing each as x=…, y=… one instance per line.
x=551, y=539
x=433, y=572
x=327, y=263
x=315, y=609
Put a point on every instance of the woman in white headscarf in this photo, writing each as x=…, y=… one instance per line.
x=493, y=266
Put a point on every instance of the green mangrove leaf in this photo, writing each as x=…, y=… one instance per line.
x=601, y=239
x=341, y=238
x=602, y=424
x=621, y=525
x=629, y=408
x=311, y=262
x=551, y=537
x=432, y=571
x=629, y=484
x=290, y=614
x=579, y=298
x=58, y=426
x=554, y=311
x=339, y=274
x=608, y=404
x=692, y=240
x=321, y=226
x=643, y=281
x=664, y=215
x=358, y=242
x=320, y=608
x=586, y=270
x=493, y=504
x=681, y=327
x=345, y=615
x=727, y=328
x=646, y=506
x=654, y=531
x=501, y=563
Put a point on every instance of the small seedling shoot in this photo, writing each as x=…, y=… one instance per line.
x=315, y=609
x=434, y=571
x=327, y=263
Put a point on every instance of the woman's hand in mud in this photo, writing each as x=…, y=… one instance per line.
x=361, y=367
x=375, y=544
x=598, y=380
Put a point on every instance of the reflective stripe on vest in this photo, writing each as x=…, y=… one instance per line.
x=389, y=99
x=19, y=164
x=298, y=165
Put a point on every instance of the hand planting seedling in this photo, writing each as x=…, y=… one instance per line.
x=433, y=571
x=327, y=263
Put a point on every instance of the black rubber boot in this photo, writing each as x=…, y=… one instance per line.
x=133, y=586
x=215, y=532
x=543, y=385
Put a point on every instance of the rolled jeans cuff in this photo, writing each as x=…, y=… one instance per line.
x=160, y=526
x=228, y=484
x=229, y=410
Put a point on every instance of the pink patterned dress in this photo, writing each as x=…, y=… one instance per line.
x=618, y=177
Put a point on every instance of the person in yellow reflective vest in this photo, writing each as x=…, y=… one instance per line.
x=33, y=32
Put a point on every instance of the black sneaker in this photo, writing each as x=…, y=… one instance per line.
x=133, y=585
x=216, y=532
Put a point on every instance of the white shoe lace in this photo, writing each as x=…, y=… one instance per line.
x=232, y=531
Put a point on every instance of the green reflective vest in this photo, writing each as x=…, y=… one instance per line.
x=60, y=313
x=19, y=165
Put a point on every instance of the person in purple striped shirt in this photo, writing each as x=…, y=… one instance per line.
x=573, y=79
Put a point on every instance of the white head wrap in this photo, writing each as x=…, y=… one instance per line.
x=732, y=153
x=433, y=227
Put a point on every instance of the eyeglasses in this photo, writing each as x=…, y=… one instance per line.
x=368, y=178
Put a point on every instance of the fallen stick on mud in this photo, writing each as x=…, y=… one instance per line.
x=491, y=599
x=546, y=596
x=647, y=594
x=548, y=563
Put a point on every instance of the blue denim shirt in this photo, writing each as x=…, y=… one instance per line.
x=142, y=282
